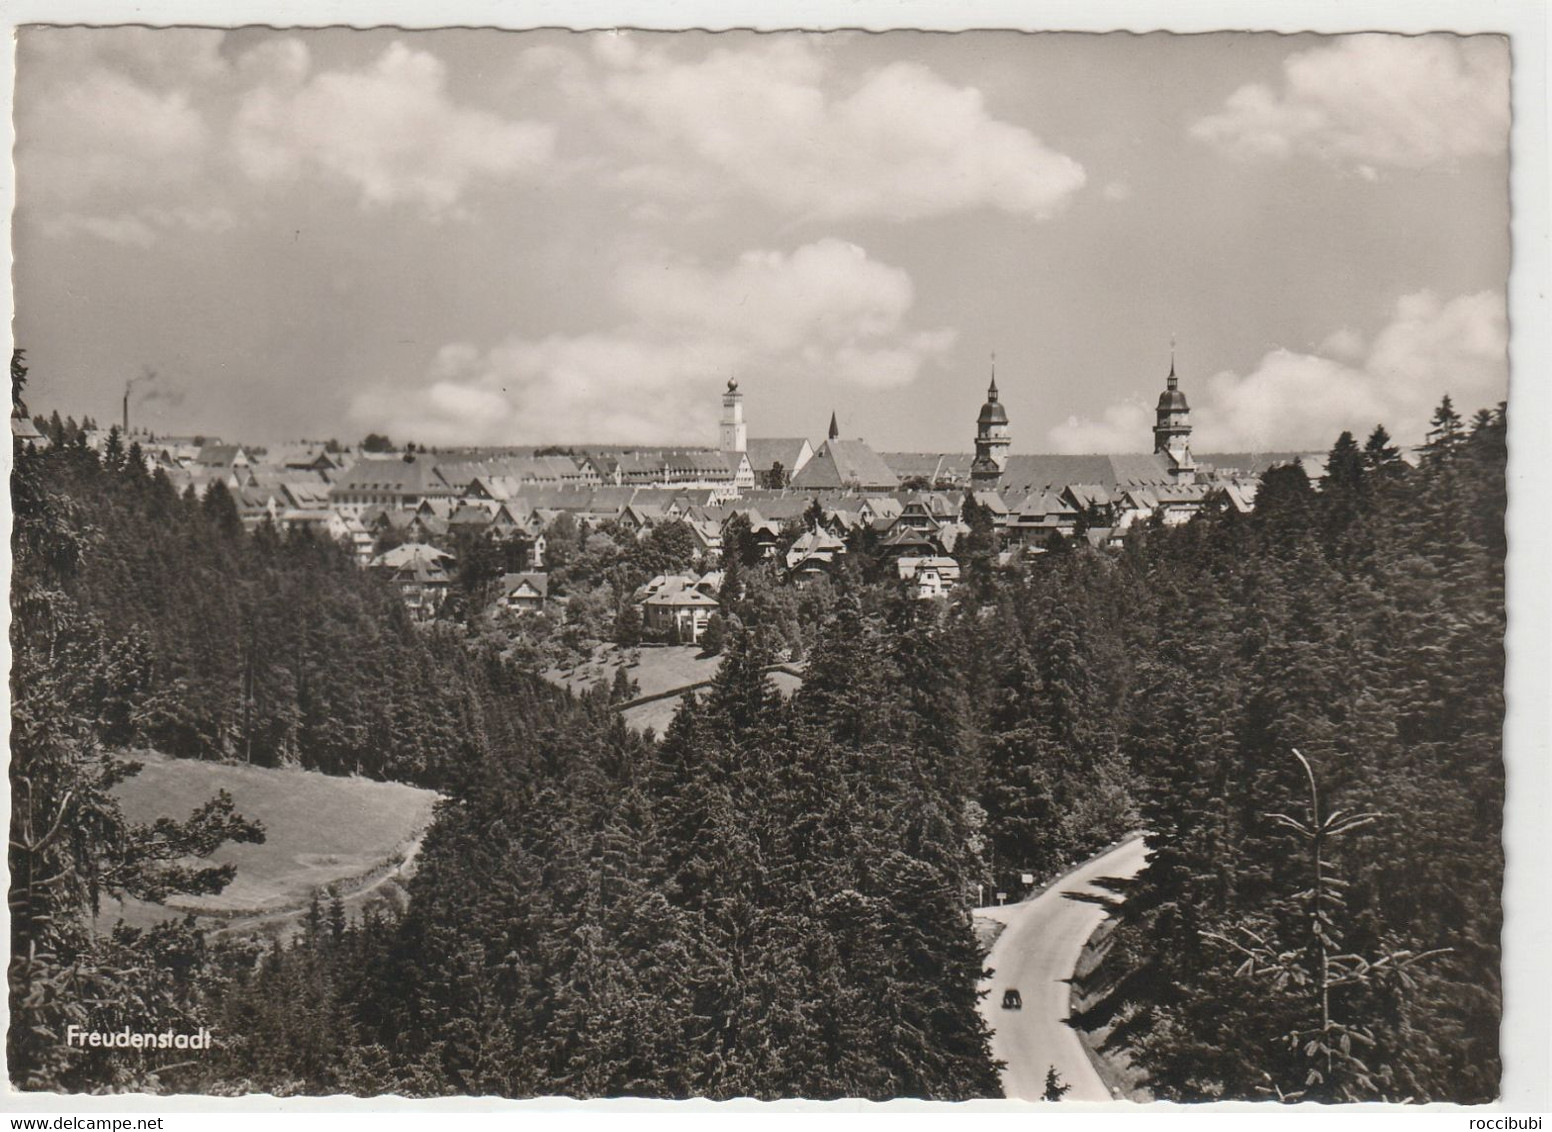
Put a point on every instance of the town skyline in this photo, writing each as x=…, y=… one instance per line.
x=575, y=238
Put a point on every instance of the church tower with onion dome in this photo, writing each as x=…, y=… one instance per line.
x=1172, y=425
x=992, y=437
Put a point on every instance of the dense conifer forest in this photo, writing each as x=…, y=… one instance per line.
x=773, y=899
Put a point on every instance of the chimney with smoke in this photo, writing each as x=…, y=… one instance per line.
x=146, y=375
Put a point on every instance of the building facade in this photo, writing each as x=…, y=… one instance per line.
x=1172, y=426
x=993, y=436
x=735, y=433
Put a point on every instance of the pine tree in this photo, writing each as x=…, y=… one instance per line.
x=1445, y=432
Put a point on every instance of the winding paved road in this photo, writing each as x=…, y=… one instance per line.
x=1037, y=953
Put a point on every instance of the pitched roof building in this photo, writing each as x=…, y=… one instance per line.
x=396, y=481
x=791, y=453
x=846, y=464
x=992, y=437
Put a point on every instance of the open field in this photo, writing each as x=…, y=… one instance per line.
x=320, y=830
x=658, y=668
x=658, y=714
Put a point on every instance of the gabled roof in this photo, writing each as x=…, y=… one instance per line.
x=845, y=463
x=395, y=475
x=811, y=542
x=930, y=466
x=991, y=500
x=1088, y=495
x=908, y=566
x=682, y=598
x=937, y=504
x=603, y=463
x=304, y=456
x=23, y=429
x=470, y=515
x=306, y=494
x=1240, y=494
x=904, y=537
x=706, y=531
x=411, y=553
x=883, y=506
x=251, y=497
x=791, y=452
x=391, y=518
x=537, y=582
x=1182, y=492
x=1033, y=473
x=1040, y=504
x=426, y=573
x=219, y=455
x=775, y=506
x=492, y=487
x=643, y=464
x=647, y=514
x=846, y=520
x=674, y=590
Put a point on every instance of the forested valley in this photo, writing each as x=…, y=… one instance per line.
x=773, y=899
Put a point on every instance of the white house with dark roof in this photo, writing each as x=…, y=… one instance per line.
x=422, y=574
x=676, y=605
x=927, y=577
x=523, y=593
x=814, y=552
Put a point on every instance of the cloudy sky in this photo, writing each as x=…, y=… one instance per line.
x=498, y=237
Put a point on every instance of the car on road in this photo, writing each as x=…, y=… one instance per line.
x=1012, y=1000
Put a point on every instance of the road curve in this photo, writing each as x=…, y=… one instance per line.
x=1036, y=953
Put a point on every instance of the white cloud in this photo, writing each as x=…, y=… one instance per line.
x=1118, y=430
x=1345, y=345
x=1117, y=191
x=1372, y=101
x=126, y=229
x=102, y=131
x=770, y=121
x=113, y=131
x=390, y=131
x=125, y=134
x=824, y=293
x=823, y=311
x=1298, y=400
x=140, y=228
x=160, y=59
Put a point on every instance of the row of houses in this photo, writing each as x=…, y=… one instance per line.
x=912, y=527
x=406, y=480
x=428, y=496
x=802, y=506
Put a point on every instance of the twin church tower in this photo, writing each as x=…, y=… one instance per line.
x=993, y=436
x=1171, y=432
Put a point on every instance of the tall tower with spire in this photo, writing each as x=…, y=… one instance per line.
x=992, y=436
x=835, y=428
x=1172, y=425
x=735, y=433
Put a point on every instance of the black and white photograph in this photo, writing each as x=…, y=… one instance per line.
x=803, y=564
